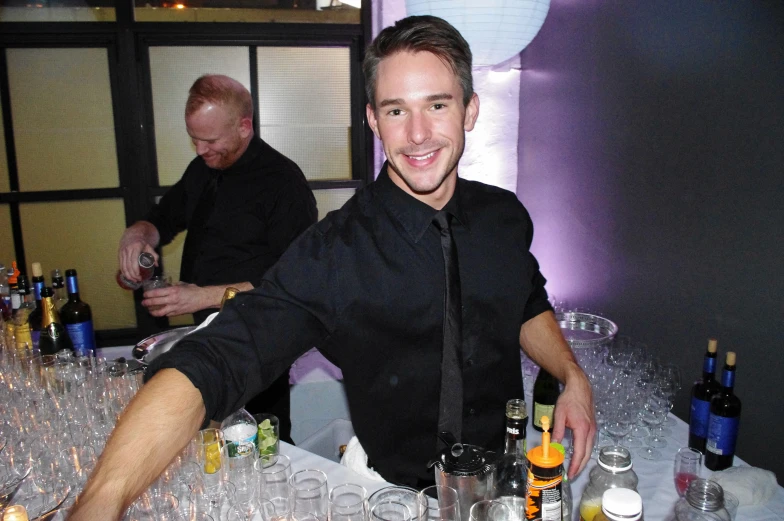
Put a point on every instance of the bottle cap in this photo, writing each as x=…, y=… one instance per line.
x=13, y=273
x=542, y=456
x=70, y=272
x=731, y=358
x=36, y=269
x=621, y=504
x=712, y=345
x=146, y=260
x=47, y=292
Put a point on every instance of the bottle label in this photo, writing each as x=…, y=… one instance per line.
x=722, y=434
x=698, y=417
x=543, y=498
x=709, y=365
x=241, y=440
x=73, y=286
x=543, y=410
x=37, y=287
x=82, y=337
x=728, y=378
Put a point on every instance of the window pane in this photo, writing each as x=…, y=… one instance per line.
x=328, y=200
x=259, y=11
x=57, y=11
x=173, y=70
x=7, y=250
x=5, y=185
x=305, y=107
x=82, y=235
x=63, y=119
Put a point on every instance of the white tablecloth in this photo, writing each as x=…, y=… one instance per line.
x=656, y=486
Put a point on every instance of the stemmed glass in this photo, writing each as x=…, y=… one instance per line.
x=656, y=408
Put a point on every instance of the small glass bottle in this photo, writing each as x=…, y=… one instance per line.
x=58, y=286
x=146, y=270
x=613, y=471
x=704, y=501
x=620, y=504
x=511, y=472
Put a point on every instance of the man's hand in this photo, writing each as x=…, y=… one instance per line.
x=541, y=338
x=184, y=298
x=179, y=299
x=137, y=238
x=574, y=409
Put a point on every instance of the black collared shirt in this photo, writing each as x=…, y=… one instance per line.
x=366, y=286
x=263, y=203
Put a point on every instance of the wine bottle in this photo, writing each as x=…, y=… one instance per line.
x=78, y=318
x=546, y=391
x=723, y=421
x=701, y=394
x=511, y=473
x=58, y=285
x=54, y=336
x=24, y=339
x=36, y=315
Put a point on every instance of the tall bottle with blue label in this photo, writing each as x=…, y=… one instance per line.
x=78, y=318
x=723, y=421
x=701, y=394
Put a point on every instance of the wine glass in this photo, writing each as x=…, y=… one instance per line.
x=688, y=463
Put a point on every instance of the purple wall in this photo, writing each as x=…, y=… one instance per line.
x=652, y=163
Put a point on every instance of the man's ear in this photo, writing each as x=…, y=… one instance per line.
x=371, y=119
x=471, y=113
x=246, y=127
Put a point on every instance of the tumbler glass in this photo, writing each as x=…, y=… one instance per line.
x=309, y=493
x=688, y=463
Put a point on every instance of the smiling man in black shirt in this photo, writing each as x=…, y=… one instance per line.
x=368, y=286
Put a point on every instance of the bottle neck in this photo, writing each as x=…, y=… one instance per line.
x=38, y=285
x=49, y=312
x=709, y=367
x=73, y=288
x=514, y=442
x=728, y=379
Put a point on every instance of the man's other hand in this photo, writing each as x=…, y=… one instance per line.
x=138, y=238
x=178, y=299
x=574, y=409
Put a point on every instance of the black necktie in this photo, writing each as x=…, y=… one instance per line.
x=197, y=226
x=450, y=406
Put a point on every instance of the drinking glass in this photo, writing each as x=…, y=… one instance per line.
x=406, y=495
x=155, y=507
x=269, y=437
x=347, y=502
x=274, y=483
x=390, y=511
x=688, y=463
x=439, y=502
x=491, y=510
x=211, y=455
x=309, y=493
x=256, y=509
x=156, y=282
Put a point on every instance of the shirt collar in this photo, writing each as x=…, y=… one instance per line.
x=415, y=216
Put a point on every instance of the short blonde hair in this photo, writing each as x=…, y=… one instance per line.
x=222, y=90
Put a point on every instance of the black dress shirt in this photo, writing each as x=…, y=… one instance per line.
x=263, y=203
x=366, y=286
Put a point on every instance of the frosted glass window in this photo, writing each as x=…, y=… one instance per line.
x=305, y=107
x=173, y=70
x=53, y=11
x=7, y=250
x=82, y=235
x=5, y=185
x=63, y=119
x=271, y=11
x=328, y=200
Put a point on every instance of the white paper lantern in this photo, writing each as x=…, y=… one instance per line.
x=496, y=30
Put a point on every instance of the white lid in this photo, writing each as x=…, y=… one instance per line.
x=622, y=504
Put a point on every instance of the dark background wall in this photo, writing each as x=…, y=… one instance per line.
x=652, y=162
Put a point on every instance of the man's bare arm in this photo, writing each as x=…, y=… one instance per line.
x=162, y=418
x=541, y=338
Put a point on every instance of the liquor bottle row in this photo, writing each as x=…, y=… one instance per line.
x=43, y=318
x=714, y=415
